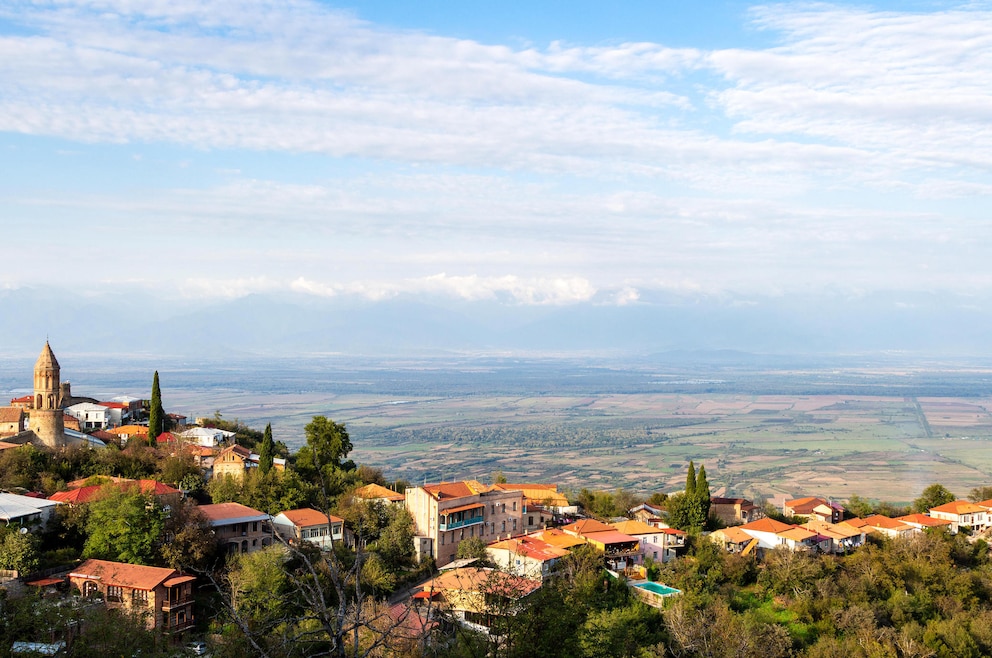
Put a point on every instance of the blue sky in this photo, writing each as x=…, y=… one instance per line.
x=548, y=153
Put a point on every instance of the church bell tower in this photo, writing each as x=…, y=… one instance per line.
x=46, y=416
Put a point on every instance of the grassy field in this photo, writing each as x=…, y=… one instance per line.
x=881, y=447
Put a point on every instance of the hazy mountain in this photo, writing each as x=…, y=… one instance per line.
x=938, y=324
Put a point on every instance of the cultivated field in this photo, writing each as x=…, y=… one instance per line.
x=756, y=445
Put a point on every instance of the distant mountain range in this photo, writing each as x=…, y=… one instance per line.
x=131, y=323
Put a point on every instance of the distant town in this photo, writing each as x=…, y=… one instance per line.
x=181, y=533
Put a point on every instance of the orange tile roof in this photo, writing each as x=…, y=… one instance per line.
x=734, y=534
x=959, y=507
x=130, y=430
x=219, y=512
x=4, y=445
x=471, y=579
x=636, y=528
x=879, y=521
x=767, y=525
x=924, y=520
x=307, y=517
x=558, y=538
x=797, y=534
x=607, y=537
x=132, y=576
x=455, y=489
x=373, y=491
x=89, y=493
x=537, y=493
x=586, y=526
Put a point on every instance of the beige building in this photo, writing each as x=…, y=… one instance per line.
x=11, y=421
x=237, y=460
x=447, y=513
x=163, y=596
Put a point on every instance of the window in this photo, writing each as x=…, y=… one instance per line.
x=514, y=506
x=655, y=555
x=530, y=520
x=504, y=524
x=471, y=531
x=442, y=539
x=254, y=526
x=115, y=593
x=139, y=596
x=462, y=535
x=514, y=524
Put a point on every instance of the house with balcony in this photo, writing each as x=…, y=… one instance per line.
x=542, y=504
x=888, y=527
x=478, y=597
x=771, y=534
x=164, y=597
x=238, y=528
x=620, y=551
x=963, y=514
x=307, y=524
x=844, y=537
x=445, y=514
x=733, y=540
x=659, y=544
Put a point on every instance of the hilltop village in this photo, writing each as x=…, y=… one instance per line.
x=187, y=538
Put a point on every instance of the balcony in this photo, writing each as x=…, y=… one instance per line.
x=178, y=603
x=454, y=525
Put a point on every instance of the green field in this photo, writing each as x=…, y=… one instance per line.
x=881, y=447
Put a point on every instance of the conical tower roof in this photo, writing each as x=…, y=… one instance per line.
x=47, y=359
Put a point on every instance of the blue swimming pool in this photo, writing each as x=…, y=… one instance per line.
x=659, y=589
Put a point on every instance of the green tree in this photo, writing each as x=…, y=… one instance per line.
x=979, y=494
x=690, y=479
x=932, y=496
x=156, y=414
x=686, y=511
x=472, y=548
x=266, y=450
x=123, y=526
x=19, y=551
x=703, y=490
x=321, y=460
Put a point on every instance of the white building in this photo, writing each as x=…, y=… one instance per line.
x=208, y=437
x=26, y=510
x=90, y=416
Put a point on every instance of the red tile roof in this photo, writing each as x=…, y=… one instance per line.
x=452, y=490
x=132, y=576
x=11, y=414
x=586, y=526
x=924, y=520
x=88, y=494
x=531, y=547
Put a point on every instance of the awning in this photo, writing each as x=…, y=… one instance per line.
x=463, y=508
x=179, y=580
x=425, y=595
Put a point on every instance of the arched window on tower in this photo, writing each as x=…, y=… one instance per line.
x=37, y=403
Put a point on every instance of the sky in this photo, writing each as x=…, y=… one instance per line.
x=544, y=153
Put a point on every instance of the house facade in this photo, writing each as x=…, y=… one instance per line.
x=11, y=421
x=658, y=544
x=525, y=556
x=239, y=529
x=164, y=597
x=735, y=511
x=447, y=513
x=812, y=507
x=307, y=524
x=963, y=514
x=236, y=460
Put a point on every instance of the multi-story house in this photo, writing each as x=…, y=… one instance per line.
x=90, y=416
x=735, y=511
x=237, y=460
x=447, y=513
x=239, y=529
x=164, y=597
x=659, y=544
x=308, y=524
x=812, y=508
x=963, y=514
x=620, y=551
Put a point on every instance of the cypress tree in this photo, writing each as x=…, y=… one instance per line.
x=703, y=491
x=156, y=414
x=690, y=480
x=266, y=451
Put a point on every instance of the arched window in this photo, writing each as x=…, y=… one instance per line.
x=37, y=404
